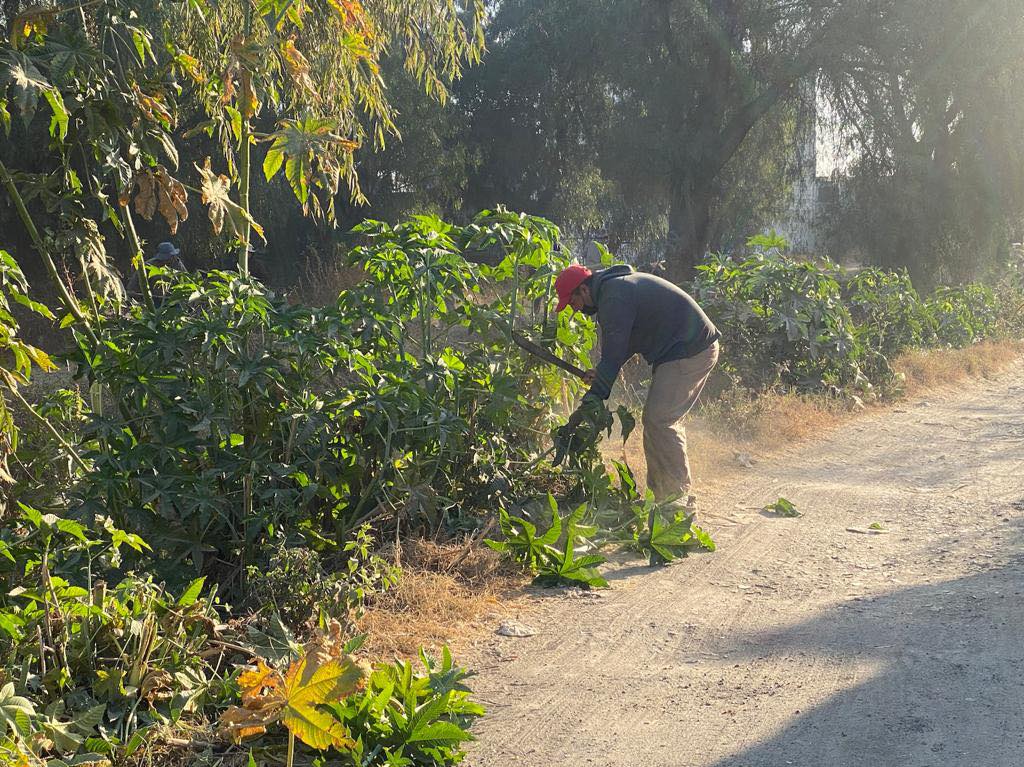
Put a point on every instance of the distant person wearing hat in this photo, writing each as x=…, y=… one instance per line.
x=167, y=256
x=643, y=314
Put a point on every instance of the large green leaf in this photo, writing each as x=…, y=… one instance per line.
x=436, y=734
x=27, y=84
x=13, y=707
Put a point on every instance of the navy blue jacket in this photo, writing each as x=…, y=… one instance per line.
x=642, y=314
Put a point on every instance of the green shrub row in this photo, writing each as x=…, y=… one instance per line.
x=816, y=326
x=249, y=445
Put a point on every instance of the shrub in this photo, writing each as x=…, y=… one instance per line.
x=782, y=320
x=243, y=421
x=812, y=326
x=963, y=315
x=94, y=665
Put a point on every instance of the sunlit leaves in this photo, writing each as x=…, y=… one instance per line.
x=553, y=556
x=152, y=106
x=353, y=15
x=311, y=62
x=297, y=66
x=276, y=13
x=306, y=149
x=672, y=539
x=222, y=209
x=245, y=61
x=15, y=711
x=20, y=77
x=31, y=21
x=782, y=508
x=82, y=237
x=322, y=675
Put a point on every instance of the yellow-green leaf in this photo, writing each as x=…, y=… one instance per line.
x=309, y=685
x=273, y=161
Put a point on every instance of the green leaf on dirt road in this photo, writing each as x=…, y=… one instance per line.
x=672, y=540
x=782, y=508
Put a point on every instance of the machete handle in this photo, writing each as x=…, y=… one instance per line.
x=541, y=353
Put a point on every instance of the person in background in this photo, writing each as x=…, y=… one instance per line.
x=168, y=257
x=643, y=314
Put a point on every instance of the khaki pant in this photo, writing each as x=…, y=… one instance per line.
x=674, y=390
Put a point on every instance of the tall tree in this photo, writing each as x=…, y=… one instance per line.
x=934, y=117
x=663, y=94
x=315, y=68
x=123, y=80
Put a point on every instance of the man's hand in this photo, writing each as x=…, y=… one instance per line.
x=589, y=377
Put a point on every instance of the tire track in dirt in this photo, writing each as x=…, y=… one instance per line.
x=800, y=642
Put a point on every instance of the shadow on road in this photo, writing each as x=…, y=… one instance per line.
x=947, y=685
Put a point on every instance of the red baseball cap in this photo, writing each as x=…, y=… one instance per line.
x=570, y=278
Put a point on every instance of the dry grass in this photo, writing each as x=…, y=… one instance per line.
x=926, y=370
x=440, y=601
x=734, y=427
x=323, y=280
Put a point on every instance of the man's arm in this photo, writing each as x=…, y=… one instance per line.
x=616, y=314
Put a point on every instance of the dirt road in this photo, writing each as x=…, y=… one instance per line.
x=800, y=642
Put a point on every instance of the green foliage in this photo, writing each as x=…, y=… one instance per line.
x=409, y=719
x=662, y=532
x=97, y=665
x=964, y=314
x=297, y=585
x=14, y=290
x=935, y=182
x=557, y=557
x=244, y=421
x=782, y=508
x=522, y=543
x=669, y=540
x=890, y=317
x=783, y=320
x=812, y=326
x=594, y=139
x=110, y=127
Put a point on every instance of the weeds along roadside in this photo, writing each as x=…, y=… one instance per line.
x=258, y=451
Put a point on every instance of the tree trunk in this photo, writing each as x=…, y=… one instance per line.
x=689, y=230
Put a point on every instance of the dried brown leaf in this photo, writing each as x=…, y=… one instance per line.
x=216, y=191
x=145, y=199
x=297, y=66
x=172, y=197
x=257, y=684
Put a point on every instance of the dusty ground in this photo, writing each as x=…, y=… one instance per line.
x=801, y=642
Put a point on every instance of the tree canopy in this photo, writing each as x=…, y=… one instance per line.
x=667, y=124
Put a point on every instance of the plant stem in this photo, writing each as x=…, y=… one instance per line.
x=244, y=163
x=133, y=239
x=69, y=300
x=49, y=426
x=243, y=186
x=291, y=749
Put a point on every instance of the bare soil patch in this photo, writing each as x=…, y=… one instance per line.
x=819, y=640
